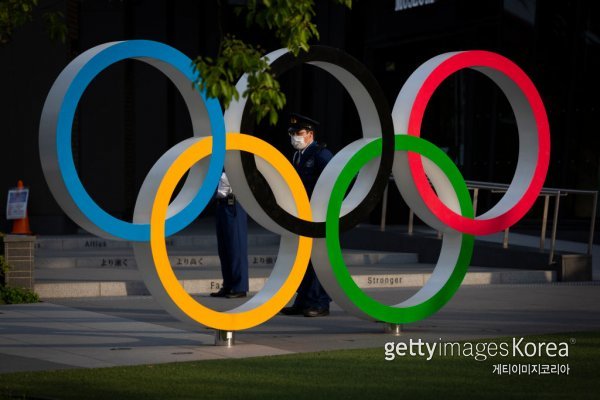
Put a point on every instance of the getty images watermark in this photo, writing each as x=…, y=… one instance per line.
x=481, y=351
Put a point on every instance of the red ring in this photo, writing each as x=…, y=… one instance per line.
x=446, y=68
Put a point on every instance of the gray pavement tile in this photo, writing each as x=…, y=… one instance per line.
x=136, y=355
x=15, y=363
x=244, y=350
x=54, y=355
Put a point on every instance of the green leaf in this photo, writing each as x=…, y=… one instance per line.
x=291, y=23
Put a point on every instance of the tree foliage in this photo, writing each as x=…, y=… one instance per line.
x=16, y=13
x=291, y=23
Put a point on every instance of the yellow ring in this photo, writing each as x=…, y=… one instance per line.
x=194, y=310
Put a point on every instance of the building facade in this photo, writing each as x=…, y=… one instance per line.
x=130, y=115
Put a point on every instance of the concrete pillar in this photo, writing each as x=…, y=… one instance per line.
x=18, y=252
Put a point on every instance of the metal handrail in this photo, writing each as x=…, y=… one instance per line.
x=494, y=187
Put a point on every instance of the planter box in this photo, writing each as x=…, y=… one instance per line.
x=575, y=267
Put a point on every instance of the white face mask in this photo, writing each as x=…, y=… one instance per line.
x=298, y=142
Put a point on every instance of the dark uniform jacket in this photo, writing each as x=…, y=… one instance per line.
x=310, y=164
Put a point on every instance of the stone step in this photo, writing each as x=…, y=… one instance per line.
x=87, y=242
x=192, y=258
x=97, y=283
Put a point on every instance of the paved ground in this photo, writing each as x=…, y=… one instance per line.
x=100, y=332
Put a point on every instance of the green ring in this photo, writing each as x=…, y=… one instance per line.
x=375, y=309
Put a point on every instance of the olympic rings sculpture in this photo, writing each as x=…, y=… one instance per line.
x=272, y=193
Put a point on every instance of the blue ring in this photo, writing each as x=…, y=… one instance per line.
x=112, y=54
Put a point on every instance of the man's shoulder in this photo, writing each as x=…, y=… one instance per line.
x=320, y=153
x=323, y=153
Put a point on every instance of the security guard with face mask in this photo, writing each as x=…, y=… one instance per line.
x=309, y=160
x=232, y=242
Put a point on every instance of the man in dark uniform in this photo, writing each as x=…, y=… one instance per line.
x=232, y=242
x=309, y=160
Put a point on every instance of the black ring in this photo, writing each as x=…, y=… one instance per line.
x=259, y=186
